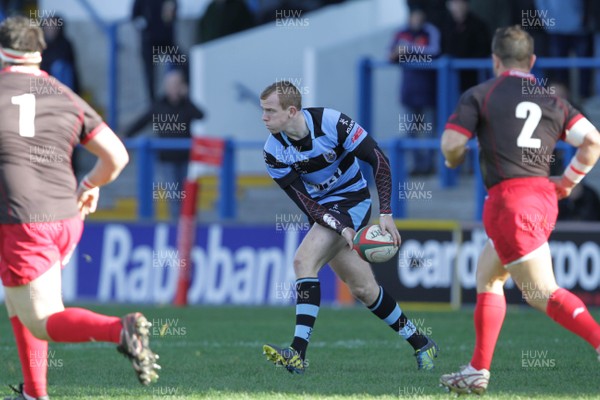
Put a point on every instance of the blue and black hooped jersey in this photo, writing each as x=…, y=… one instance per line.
x=323, y=160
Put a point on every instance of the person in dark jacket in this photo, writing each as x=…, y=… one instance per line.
x=417, y=44
x=59, y=57
x=464, y=35
x=156, y=21
x=171, y=116
x=222, y=18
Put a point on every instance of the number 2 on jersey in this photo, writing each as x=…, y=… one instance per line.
x=532, y=114
x=26, y=103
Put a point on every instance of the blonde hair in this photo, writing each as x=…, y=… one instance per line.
x=288, y=94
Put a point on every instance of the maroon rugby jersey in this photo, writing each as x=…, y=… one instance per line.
x=517, y=123
x=41, y=121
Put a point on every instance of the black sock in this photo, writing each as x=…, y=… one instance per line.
x=386, y=308
x=308, y=300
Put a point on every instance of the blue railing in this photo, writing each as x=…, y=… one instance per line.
x=396, y=150
x=447, y=89
x=447, y=96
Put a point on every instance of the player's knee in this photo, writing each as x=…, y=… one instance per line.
x=303, y=268
x=363, y=292
x=35, y=325
x=538, y=298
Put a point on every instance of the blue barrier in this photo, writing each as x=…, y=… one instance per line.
x=447, y=88
x=396, y=149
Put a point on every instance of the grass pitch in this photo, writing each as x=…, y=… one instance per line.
x=216, y=353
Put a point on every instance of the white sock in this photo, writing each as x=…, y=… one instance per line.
x=28, y=397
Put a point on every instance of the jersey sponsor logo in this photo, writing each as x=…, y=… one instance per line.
x=300, y=168
x=331, y=221
x=267, y=160
x=329, y=182
x=350, y=127
x=348, y=123
x=357, y=134
x=330, y=156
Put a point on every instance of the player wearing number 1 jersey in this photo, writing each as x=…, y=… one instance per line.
x=517, y=124
x=42, y=210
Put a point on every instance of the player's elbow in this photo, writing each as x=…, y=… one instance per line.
x=592, y=142
x=120, y=161
x=114, y=162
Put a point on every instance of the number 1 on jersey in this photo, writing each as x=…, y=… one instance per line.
x=532, y=114
x=26, y=103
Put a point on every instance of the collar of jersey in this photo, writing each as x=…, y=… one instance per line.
x=309, y=124
x=520, y=74
x=25, y=70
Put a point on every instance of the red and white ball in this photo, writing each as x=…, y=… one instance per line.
x=373, y=246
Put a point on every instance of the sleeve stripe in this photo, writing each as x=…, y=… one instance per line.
x=577, y=171
x=574, y=120
x=459, y=129
x=94, y=132
x=575, y=134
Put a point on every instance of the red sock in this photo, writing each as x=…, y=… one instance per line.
x=79, y=325
x=33, y=354
x=489, y=315
x=570, y=312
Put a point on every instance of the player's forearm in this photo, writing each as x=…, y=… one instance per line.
x=383, y=182
x=454, y=150
x=106, y=170
x=369, y=151
x=454, y=157
x=112, y=158
x=584, y=160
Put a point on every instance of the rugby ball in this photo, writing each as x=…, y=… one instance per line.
x=373, y=246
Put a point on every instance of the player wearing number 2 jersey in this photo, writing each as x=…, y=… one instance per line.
x=42, y=209
x=517, y=124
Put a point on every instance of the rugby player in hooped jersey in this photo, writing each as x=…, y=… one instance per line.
x=517, y=129
x=42, y=210
x=312, y=154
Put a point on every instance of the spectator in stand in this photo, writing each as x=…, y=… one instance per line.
x=155, y=19
x=524, y=14
x=464, y=35
x=224, y=17
x=59, y=61
x=494, y=13
x=435, y=10
x=418, y=43
x=565, y=24
x=171, y=116
x=59, y=57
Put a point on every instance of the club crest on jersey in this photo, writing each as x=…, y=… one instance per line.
x=330, y=156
